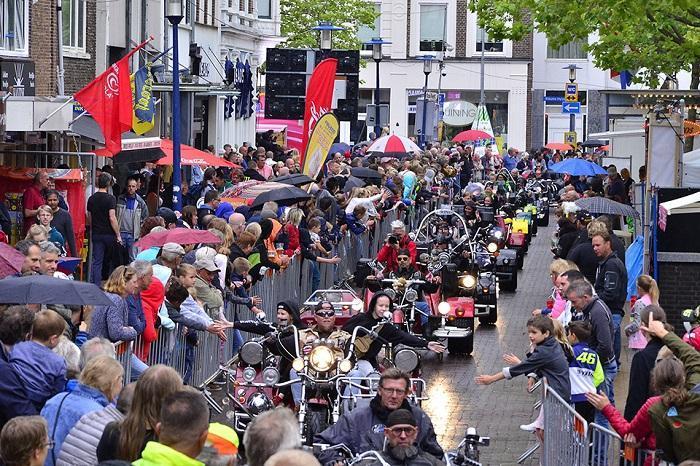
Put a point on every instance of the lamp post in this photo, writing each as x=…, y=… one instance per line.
x=427, y=68
x=174, y=14
x=572, y=79
x=377, y=55
x=326, y=29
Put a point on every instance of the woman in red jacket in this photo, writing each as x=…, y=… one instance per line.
x=294, y=218
x=151, y=300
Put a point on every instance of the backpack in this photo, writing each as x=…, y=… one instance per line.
x=194, y=193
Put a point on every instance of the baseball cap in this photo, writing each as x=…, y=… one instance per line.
x=401, y=417
x=583, y=216
x=223, y=439
x=173, y=248
x=612, y=170
x=206, y=264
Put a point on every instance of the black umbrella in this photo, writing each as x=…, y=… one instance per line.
x=283, y=196
x=295, y=179
x=253, y=174
x=352, y=182
x=603, y=205
x=593, y=143
x=366, y=173
x=42, y=289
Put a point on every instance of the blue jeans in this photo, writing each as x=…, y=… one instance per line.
x=315, y=276
x=100, y=244
x=237, y=340
x=607, y=387
x=128, y=240
x=424, y=309
x=138, y=367
x=617, y=341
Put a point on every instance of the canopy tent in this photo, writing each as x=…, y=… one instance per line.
x=691, y=169
x=190, y=156
x=683, y=205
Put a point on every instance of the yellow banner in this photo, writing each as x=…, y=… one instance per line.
x=320, y=142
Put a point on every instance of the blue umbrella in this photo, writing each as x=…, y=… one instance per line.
x=338, y=147
x=578, y=167
x=42, y=289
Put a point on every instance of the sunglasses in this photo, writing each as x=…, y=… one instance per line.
x=403, y=259
x=408, y=430
x=325, y=313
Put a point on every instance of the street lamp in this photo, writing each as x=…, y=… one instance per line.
x=377, y=56
x=427, y=68
x=326, y=29
x=572, y=79
x=174, y=14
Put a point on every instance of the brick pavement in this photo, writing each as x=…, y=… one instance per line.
x=497, y=410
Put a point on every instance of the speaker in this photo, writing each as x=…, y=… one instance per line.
x=352, y=87
x=286, y=60
x=347, y=110
x=285, y=84
x=284, y=108
x=348, y=60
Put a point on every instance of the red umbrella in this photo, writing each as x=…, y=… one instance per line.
x=191, y=156
x=179, y=236
x=11, y=260
x=393, y=144
x=558, y=146
x=471, y=135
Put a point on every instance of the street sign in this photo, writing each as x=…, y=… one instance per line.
x=571, y=107
x=570, y=138
x=553, y=99
x=571, y=92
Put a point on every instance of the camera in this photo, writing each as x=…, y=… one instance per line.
x=391, y=239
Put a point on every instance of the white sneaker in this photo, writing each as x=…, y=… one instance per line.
x=528, y=427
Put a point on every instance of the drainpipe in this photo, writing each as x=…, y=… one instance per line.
x=61, y=71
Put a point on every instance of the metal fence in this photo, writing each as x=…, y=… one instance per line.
x=199, y=356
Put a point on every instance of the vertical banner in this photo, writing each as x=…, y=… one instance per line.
x=319, y=96
x=144, y=104
x=482, y=122
x=322, y=136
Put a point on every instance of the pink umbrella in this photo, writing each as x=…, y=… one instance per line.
x=179, y=236
x=393, y=145
x=559, y=146
x=471, y=135
x=11, y=260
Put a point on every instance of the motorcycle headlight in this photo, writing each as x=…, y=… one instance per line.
x=411, y=295
x=498, y=234
x=298, y=364
x=251, y=353
x=390, y=293
x=321, y=358
x=467, y=281
x=345, y=366
x=258, y=403
x=406, y=359
x=271, y=376
x=249, y=374
x=444, y=308
x=492, y=247
x=506, y=261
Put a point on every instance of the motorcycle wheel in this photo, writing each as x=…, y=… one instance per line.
x=534, y=227
x=544, y=222
x=521, y=259
x=461, y=345
x=491, y=318
x=512, y=284
x=316, y=422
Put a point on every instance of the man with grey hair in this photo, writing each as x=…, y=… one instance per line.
x=269, y=433
x=137, y=317
x=398, y=239
x=171, y=255
x=95, y=347
x=48, y=263
x=237, y=223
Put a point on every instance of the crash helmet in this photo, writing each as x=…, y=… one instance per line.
x=690, y=317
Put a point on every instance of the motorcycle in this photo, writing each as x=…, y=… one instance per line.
x=467, y=453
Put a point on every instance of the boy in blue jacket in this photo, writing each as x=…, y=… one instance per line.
x=585, y=371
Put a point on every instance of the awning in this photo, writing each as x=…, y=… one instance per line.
x=683, y=205
x=608, y=135
x=135, y=149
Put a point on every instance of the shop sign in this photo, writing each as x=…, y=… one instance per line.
x=17, y=77
x=459, y=113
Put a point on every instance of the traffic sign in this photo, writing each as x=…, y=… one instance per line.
x=571, y=107
x=570, y=138
x=552, y=99
x=571, y=92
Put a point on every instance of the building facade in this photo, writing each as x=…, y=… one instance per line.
x=417, y=28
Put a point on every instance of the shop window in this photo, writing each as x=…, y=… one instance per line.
x=432, y=27
x=14, y=26
x=574, y=50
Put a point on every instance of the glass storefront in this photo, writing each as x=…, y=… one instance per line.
x=496, y=105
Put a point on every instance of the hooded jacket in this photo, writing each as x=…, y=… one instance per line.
x=157, y=454
x=362, y=429
x=387, y=332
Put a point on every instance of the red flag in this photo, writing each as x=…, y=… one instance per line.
x=319, y=97
x=108, y=99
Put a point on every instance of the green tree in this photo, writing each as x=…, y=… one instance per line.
x=656, y=37
x=299, y=16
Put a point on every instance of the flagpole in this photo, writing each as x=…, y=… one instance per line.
x=174, y=16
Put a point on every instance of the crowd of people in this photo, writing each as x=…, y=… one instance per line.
x=65, y=398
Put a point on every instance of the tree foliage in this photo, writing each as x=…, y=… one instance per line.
x=656, y=37
x=299, y=16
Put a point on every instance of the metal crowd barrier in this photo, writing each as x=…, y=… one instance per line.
x=123, y=352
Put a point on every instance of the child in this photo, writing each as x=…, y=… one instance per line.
x=546, y=360
x=354, y=220
x=314, y=232
x=42, y=371
x=691, y=321
x=585, y=370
